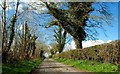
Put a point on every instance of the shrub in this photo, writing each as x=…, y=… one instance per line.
x=108, y=52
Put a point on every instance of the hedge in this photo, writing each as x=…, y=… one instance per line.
x=108, y=52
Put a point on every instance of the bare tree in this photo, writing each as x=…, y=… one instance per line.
x=6, y=45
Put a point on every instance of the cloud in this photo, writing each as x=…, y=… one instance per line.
x=86, y=44
x=90, y=43
x=73, y=46
x=109, y=41
x=70, y=46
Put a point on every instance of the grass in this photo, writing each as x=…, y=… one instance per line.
x=90, y=66
x=21, y=67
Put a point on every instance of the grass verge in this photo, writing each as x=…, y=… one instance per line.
x=21, y=67
x=91, y=66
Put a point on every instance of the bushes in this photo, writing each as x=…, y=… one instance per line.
x=100, y=53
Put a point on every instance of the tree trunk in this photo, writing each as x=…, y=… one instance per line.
x=4, y=54
x=78, y=43
x=12, y=27
x=4, y=26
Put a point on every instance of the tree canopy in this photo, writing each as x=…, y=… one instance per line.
x=77, y=21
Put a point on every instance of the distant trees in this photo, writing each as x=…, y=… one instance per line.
x=27, y=42
x=60, y=36
x=42, y=48
x=53, y=49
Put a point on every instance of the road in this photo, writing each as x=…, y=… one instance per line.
x=50, y=66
